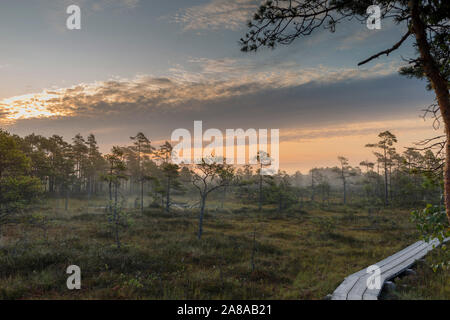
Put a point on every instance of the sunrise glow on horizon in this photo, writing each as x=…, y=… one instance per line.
x=112, y=82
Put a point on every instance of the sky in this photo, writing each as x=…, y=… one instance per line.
x=155, y=66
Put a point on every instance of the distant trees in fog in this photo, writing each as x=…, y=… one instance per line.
x=35, y=165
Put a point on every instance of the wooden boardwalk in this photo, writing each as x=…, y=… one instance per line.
x=355, y=286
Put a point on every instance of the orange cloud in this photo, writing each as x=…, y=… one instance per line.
x=210, y=80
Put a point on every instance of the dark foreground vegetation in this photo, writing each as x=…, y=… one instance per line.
x=242, y=255
x=424, y=283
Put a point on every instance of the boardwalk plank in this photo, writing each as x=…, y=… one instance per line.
x=354, y=287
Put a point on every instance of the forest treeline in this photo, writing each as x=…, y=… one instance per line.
x=34, y=165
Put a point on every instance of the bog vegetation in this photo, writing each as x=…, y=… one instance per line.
x=140, y=226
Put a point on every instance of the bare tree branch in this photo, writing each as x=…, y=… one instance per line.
x=387, y=51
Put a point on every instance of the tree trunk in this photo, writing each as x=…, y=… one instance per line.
x=200, y=219
x=260, y=190
x=345, y=191
x=66, y=203
x=89, y=194
x=51, y=184
x=252, y=259
x=168, y=195
x=301, y=200
x=140, y=177
x=385, y=179
x=142, y=196
x=224, y=196
x=110, y=194
x=440, y=87
x=116, y=217
x=344, y=185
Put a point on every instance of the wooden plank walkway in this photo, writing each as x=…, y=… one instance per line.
x=355, y=287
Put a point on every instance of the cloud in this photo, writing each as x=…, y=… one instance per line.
x=354, y=129
x=183, y=89
x=100, y=5
x=88, y=6
x=359, y=36
x=313, y=111
x=217, y=14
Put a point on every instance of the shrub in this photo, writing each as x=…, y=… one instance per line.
x=432, y=223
